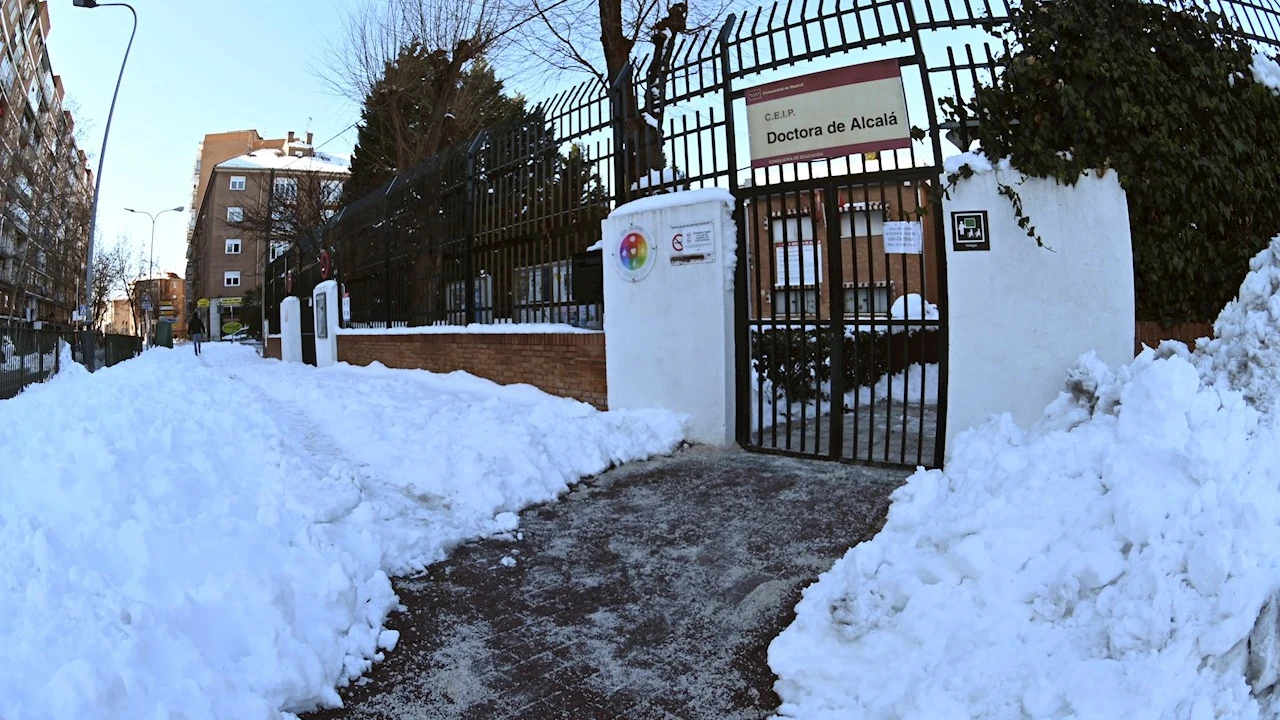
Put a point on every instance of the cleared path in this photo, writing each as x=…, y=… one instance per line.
x=650, y=592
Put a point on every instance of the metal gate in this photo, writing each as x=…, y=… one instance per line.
x=845, y=315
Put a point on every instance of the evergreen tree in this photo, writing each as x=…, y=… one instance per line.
x=424, y=102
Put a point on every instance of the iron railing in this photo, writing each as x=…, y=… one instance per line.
x=29, y=356
x=496, y=229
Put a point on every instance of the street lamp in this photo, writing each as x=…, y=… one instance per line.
x=87, y=338
x=151, y=261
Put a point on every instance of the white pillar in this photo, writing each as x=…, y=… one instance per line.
x=1019, y=316
x=290, y=330
x=325, y=312
x=668, y=321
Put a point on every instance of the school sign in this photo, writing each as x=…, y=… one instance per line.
x=828, y=114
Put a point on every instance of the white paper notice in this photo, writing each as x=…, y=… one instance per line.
x=903, y=238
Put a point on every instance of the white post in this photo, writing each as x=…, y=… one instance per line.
x=326, y=309
x=291, y=330
x=668, y=322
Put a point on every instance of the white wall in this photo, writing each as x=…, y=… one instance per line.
x=669, y=334
x=326, y=323
x=290, y=330
x=1020, y=315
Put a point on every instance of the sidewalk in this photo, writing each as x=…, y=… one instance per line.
x=651, y=592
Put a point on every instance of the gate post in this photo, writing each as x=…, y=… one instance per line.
x=741, y=330
x=669, y=331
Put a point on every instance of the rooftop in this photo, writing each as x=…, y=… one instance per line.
x=274, y=159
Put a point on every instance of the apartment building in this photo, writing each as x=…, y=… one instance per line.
x=250, y=205
x=46, y=188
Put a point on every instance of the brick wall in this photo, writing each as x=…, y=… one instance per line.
x=568, y=364
x=1150, y=333
x=272, y=349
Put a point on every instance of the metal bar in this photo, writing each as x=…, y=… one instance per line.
x=835, y=299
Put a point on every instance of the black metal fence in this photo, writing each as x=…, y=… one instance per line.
x=496, y=229
x=29, y=356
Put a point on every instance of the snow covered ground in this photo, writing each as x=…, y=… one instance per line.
x=1108, y=563
x=211, y=537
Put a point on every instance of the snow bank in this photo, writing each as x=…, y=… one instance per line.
x=1108, y=563
x=1266, y=71
x=905, y=387
x=212, y=537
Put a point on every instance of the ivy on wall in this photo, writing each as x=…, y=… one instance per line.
x=1166, y=98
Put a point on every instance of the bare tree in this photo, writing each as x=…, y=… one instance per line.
x=290, y=206
x=113, y=273
x=608, y=40
x=370, y=62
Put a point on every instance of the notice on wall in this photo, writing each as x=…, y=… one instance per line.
x=829, y=114
x=903, y=238
x=693, y=243
x=322, y=316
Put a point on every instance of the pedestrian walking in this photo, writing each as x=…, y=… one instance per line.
x=196, y=329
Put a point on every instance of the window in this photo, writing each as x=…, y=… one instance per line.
x=286, y=187
x=233, y=246
x=795, y=302
x=797, y=264
x=237, y=181
x=791, y=229
x=860, y=223
x=867, y=300
x=231, y=278
x=235, y=214
x=332, y=190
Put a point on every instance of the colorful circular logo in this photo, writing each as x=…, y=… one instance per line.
x=636, y=254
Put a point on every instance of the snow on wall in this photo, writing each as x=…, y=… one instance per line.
x=474, y=329
x=1266, y=71
x=1109, y=562
x=1019, y=315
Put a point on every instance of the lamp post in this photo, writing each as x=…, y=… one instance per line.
x=151, y=261
x=87, y=337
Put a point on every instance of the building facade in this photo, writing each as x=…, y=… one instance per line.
x=46, y=188
x=168, y=293
x=792, y=234
x=251, y=205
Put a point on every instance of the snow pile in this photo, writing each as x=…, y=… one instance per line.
x=1109, y=563
x=1266, y=71
x=668, y=178
x=904, y=386
x=211, y=537
x=913, y=307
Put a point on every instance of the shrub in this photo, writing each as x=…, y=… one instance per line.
x=796, y=360
x=1165, y=96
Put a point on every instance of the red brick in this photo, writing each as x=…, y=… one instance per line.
x=569, y=365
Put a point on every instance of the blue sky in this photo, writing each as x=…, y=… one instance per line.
x=195, y=68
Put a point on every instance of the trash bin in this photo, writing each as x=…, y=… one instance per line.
x=164, y=335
